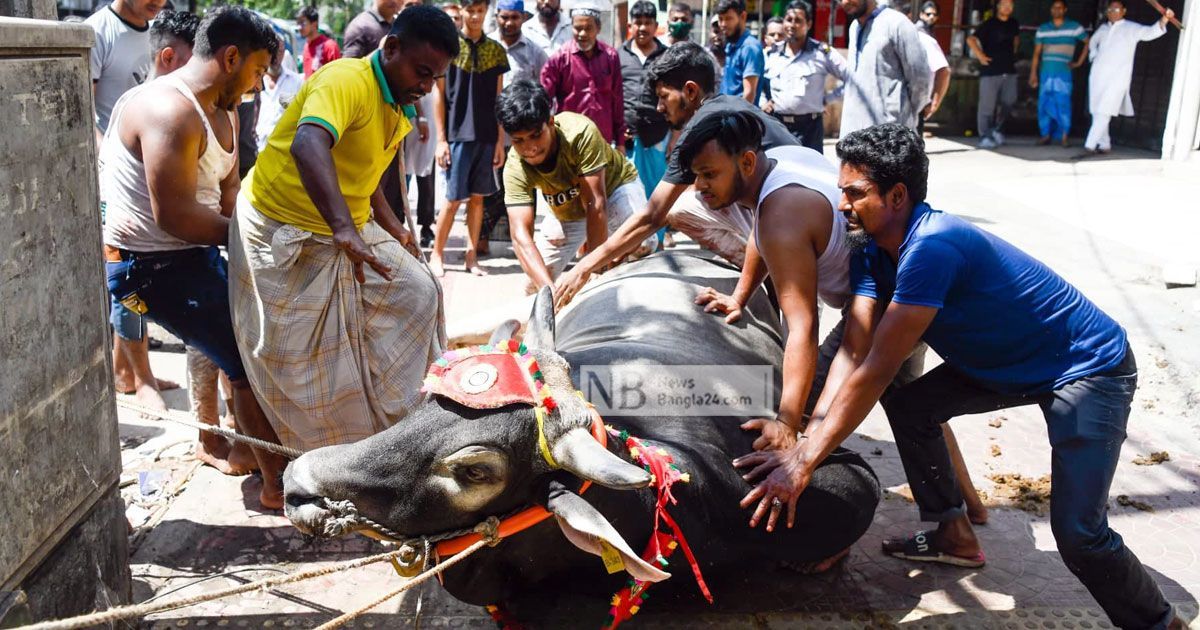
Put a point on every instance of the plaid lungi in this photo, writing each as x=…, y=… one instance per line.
x=331, y=361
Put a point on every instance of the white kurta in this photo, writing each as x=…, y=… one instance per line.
x=1111, y=52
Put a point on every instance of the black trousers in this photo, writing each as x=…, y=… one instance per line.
x=809, y=129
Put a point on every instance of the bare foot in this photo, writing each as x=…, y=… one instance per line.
x=271, y=496
x=164, y=384
x=241, y=457
x=477, y=270
x=212, y=455
x=147, y=396
x=978, y=515
x=436, y=266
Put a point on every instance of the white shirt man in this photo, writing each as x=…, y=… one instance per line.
x=1111, y=52
x=276, y=95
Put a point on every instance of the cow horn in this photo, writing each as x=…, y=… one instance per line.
x=539, y=332
x=581, y=454
x=506, y=330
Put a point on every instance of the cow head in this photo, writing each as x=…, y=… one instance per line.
x=448, y=466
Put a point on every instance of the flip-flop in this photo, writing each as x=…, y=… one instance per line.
x=919, y=547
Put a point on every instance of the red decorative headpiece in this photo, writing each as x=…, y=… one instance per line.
x=489, y=376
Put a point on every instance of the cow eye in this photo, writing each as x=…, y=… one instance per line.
x=476, y=474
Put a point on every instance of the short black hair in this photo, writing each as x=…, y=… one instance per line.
x=643, y=9
x=309, y=13
x=680, y=7
x=471, y=3
x=775, y=20
x=730, y=5
x=930, y=4
x=734, y=132
x=683, y=62
x=523, y=106
x=231, y=25
x=173, y=26
x=429, y=24
x=889, y=154
x=801, y=5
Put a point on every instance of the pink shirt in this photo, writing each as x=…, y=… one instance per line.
x=588, y=86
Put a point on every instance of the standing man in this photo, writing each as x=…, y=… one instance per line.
x=336, y=321
x=796, y=74
x=584, y=77
x=1111, y=52
x=744, y=60
x=470, y=143
x=589, y=186
x=280, y=86
x=890, y=69
x=121, y=59
x=172, y=37
x=683, y=79
x=939, y=67
x=1053, y=60
x=319, y=48
x=775, y=33
x=995, y=44
x=645, y=128
x=552, y=28
x=1012, y=332
x=679, y=23
x=525, y=59
x=368, y=28
x=168, y=181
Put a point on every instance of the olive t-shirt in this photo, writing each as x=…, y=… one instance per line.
x=581, y=151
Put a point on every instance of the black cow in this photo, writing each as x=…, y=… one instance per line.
x=447, y=466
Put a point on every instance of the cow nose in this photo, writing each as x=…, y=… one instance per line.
x=301, y=498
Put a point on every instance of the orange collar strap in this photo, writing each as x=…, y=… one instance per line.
x=528, y=517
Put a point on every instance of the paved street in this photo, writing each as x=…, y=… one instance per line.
x=1107, y=224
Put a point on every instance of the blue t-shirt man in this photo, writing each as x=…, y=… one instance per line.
x=743, y=58
x=1004, y=319
x=1058, y=47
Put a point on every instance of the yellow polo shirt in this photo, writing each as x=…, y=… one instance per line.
x=350, y=99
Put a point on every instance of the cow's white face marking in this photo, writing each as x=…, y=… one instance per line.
x=471, y=477
x=480, y=379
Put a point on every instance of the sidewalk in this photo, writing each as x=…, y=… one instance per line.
x=1106, y=224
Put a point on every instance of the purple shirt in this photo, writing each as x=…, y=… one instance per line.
x=591, y=87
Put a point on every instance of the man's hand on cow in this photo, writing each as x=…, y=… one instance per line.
x=567, y=285
x=714, y=301
x=776, y=434
x=352, y=244
x=787, y=475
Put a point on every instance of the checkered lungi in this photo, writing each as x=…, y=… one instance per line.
x=331, y=361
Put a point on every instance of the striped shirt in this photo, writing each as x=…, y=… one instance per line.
x=1058, y=45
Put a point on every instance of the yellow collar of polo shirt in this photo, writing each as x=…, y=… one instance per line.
x=377, y=66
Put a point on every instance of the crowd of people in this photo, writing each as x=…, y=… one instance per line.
x=323, y=315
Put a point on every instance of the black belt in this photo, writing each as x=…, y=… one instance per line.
x=116, y=254
x=792, y=119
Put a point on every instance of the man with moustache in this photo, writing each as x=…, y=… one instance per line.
x=890, y=81
x=584, y=76
x=168, y=182
x=679, y=23
x=525, y=59
x=1012, y=333
x=551, y=29
x=336, y=320
x=744, y=59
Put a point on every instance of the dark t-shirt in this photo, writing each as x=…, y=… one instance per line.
x=471, y=90
x=776, y=134
x=996, y=39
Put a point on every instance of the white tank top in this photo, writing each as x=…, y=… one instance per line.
x=124, y=195
x=800, y=166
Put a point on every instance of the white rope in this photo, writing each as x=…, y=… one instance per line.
x=185, y=419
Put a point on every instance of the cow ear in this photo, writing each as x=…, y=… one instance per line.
x=539, y=333
x=587, y=529
x=507, y=330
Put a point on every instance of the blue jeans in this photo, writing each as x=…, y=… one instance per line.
x=185, y=292
x=1086, y=422
x=128, y=325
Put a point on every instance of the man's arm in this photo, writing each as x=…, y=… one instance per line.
x=353, y=39
x=439, y=123
x=858, y=332
x=388, y=217
x=1033, y=65
x=915, y=62
x=170, y=134
x=231, y=184
x=754, y=271
x=632, y=232
x=755, y=65
x=498, y=154
x=520, y=222
x=312, y=151
x=790, y=471
x=1083, y=53
x=750, y=88
x=977, y=48
x=941, y=85
x=595, y=205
